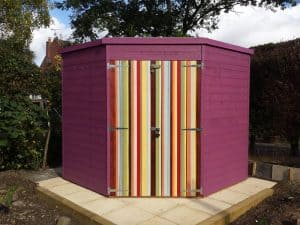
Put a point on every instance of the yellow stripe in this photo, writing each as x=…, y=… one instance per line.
x=183, y=133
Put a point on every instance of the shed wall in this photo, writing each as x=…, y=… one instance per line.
x=85, y=118
x=154, y=52
x=224, y=118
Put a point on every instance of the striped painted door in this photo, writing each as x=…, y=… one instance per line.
x=154, y=124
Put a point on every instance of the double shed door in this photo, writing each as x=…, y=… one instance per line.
x=154, y=128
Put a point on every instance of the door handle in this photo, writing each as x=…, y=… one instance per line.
x=118, y=128
x=156, y=130
x=193, y=129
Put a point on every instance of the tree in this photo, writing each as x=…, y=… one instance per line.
x=19, y=76
x=151, y=18
x=22, y=123
x=52, y=91
x=275, y=92
x=19, y=17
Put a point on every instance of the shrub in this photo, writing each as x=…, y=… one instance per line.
x=23, y=126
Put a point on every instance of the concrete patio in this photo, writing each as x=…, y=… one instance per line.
x=219, y=208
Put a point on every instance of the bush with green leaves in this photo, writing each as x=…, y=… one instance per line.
x=23, y=126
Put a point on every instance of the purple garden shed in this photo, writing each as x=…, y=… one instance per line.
x=164, y=117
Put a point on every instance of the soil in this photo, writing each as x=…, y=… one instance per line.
x=283, y=208
x=26, y=208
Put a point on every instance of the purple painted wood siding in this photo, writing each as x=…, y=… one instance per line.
x=224, y=118
x=154, y=52
x=85, y=118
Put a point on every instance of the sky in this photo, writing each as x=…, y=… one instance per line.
x=245, y=26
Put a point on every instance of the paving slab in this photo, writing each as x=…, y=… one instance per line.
x=208, y=205
x=97, y=209
x=103, y=205
x=66, y=188
x=157, y=221
x=129, y=215
x=228, y=196
x=185, y=215
x=155, y=206
x=83, y=196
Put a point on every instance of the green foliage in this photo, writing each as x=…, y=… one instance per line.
x=52, y=76
x=22, y=123
x=275, y=92
x=262, y=222
x=22, y=133
x=151, y=18
x=18, y=74
x=19, y=17
x=8, y=198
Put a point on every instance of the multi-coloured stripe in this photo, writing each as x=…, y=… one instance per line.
x=154, y=109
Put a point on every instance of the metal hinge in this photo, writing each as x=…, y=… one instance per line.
x=111, y=190
x=193, y=191
x=118, y=128
x=114, y=190
x=155, y=129
x=198, y=65
x=110, y=66
x=155, y=67
x=193, y=129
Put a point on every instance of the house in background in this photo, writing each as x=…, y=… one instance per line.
x=53, y=49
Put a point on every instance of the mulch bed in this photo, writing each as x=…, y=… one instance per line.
x=27, y=208
x=283, y=208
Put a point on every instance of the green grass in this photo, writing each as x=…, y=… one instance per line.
x=7, y=199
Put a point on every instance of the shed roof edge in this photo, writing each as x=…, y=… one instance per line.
x=157, y=41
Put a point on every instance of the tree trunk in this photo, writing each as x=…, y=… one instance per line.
x=46, y=148
x=169, y=31
x=294, y=142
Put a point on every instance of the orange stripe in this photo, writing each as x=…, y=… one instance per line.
x=138, y=130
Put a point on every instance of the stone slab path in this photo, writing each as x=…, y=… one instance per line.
x=165, y=211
